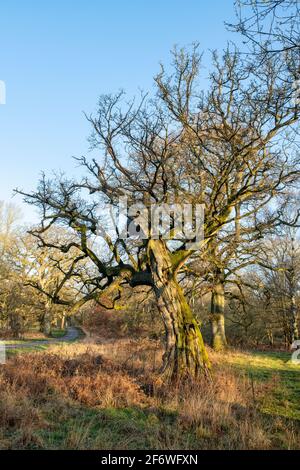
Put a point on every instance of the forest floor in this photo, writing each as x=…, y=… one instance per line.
x=106, y=394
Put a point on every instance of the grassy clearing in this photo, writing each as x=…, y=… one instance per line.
x=58, y=333
x=109, y=396
x=277, y=369
x=33, y=337
x=25, y=350
x=23, y=341
x=34, y=345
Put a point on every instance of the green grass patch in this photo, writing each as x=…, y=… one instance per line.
x=24, y=341
x=25, y=349
x=277, y=366
x=114, y=428
x=58, y=333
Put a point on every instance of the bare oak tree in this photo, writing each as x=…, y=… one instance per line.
x=219, y=148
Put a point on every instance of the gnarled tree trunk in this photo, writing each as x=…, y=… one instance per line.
x=217, y=319
x=185, y=353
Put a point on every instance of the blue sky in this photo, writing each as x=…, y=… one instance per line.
x=57, y=57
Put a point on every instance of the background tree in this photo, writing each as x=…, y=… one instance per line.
x=9, y=232
x=281, y=272
x=47, y=271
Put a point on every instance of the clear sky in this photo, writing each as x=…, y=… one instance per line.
x=58, y=56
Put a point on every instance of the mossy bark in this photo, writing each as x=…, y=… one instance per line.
x=217, y=319
x=185, y=353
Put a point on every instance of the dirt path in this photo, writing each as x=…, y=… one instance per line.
x=71, y=334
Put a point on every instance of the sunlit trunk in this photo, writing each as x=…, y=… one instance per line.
x=270, y=337
x=217, y=318
x=63, y=321
x=293, y=317
x=185, y=353
x=294, y=320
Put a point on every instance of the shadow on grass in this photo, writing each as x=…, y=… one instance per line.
x=116, y=429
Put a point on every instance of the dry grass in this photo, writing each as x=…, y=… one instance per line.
x=109, y=396
x=130, y=322
x=83, y=376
